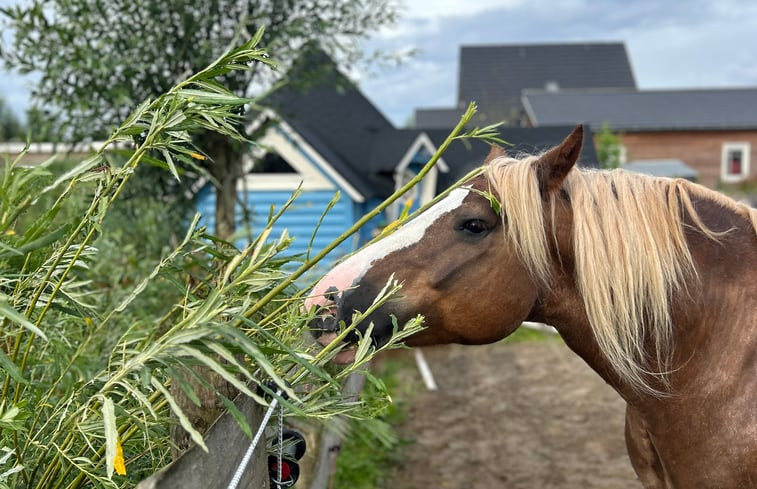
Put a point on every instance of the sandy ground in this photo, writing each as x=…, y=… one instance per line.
x=516, y=416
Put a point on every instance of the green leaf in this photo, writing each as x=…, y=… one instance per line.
x=176, y=119
x=259, y=358
x=238, y=416
x=217, y=368
x=493, y=200
x=137, y=114
x=8, y=312
x=183, y=420
x=84, y=166
x=230, y=358
x=111, y=434
x=43, y=241
x=211, y=98
x=137, y=394
x=170, y=163
x=364, y=344
x=185, y=386
x=11, y=368
x=13, y=418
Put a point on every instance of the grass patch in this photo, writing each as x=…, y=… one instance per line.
x=372, y=448
x=527, y=334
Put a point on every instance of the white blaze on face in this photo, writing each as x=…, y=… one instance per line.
x=344, y=275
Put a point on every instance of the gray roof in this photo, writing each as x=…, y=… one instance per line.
x=631, y=110
x=673, y=168
x=334, y=116
x=495, y=76
x=437, y=118
x=464, y=156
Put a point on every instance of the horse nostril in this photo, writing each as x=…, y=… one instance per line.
x=331, y=294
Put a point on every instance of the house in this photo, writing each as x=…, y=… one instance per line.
x=714, y=131
x=495, y=76
x=327, y=138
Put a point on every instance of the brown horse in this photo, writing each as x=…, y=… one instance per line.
x=652, y=281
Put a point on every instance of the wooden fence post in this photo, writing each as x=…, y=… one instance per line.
x=227, y=444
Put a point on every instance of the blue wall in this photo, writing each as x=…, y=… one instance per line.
x=302, y=217
x=300, y=220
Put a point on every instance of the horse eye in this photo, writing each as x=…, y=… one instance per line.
x=475, y=226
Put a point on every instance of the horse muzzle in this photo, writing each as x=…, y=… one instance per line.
x=325, y=330
x=336, y=307
x=325, y=326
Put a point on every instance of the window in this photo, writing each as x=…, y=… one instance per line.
x=272, y=163
x=735, y=162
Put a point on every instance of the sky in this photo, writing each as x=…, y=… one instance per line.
x=681, y=44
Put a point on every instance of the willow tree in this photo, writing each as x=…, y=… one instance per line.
x=97, y=59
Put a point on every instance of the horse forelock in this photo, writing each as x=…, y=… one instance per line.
x=630, y=253
x=525, y=230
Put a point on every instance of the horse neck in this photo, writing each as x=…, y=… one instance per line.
x=717, y=313
x=716, y=319
x=560, y=305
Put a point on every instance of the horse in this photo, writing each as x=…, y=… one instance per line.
x=652, y=281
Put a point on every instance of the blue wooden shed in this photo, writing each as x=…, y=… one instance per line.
x=329, y=137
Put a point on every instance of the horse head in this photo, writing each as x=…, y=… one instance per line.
x=455, y=268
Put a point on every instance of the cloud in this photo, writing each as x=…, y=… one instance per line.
x=698, y=43
x=671, y=45
x=455, y=8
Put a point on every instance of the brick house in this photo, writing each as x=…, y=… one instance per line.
x=710, y=133
x=714, y=131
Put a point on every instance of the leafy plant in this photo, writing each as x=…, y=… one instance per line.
x=609, y=148
x=85, y=398
x=372, y=448
x=98, y=60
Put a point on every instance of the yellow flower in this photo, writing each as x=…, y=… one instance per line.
x=118, y=461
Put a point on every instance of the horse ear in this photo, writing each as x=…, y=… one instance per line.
x=495, y=152
x=554, y=165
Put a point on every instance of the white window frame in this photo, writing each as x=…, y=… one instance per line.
x=745, y=149
x=622, y=154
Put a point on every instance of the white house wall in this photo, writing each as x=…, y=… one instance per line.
x=306, y=161
x=309, y=176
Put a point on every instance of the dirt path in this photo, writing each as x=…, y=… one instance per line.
x=516, y=416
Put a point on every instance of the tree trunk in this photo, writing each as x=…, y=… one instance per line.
x=226, y=168
x=226, y=203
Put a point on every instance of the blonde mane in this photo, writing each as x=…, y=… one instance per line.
x=630, y=253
